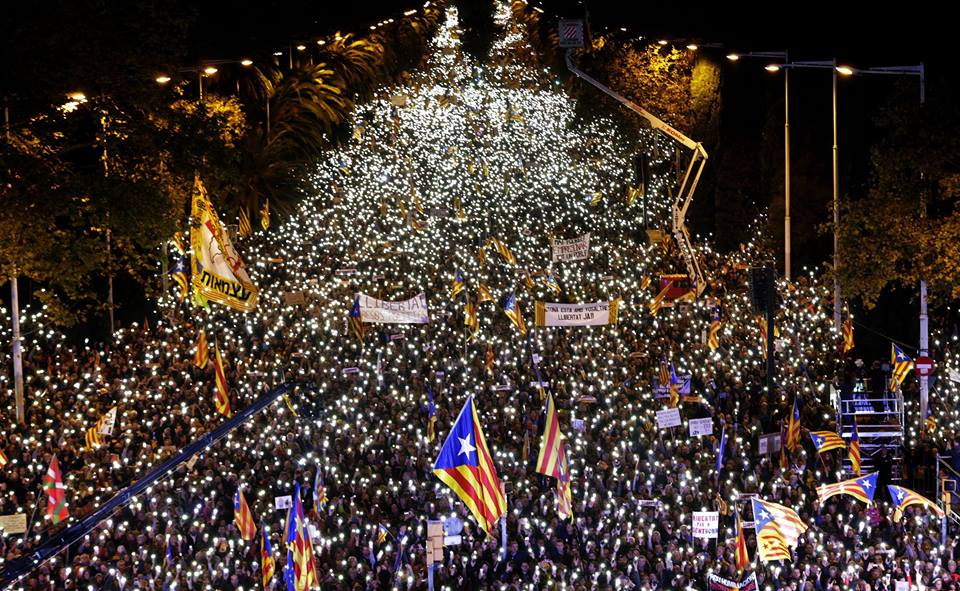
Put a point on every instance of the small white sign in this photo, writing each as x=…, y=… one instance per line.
x=285, y=502
x=577, y=425
x=954, y=375
x=769, y=444
x=668, y=418
x=701, y=427
x=649, y=503
x=902, y=585
x=706, y=524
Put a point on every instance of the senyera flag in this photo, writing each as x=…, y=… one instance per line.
x=465, y=465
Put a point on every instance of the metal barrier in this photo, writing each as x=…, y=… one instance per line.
x=16, y=569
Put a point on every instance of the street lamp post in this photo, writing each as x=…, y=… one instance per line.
x=15, y=316
x=783, y=56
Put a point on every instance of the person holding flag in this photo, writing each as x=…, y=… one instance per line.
x=466, y=466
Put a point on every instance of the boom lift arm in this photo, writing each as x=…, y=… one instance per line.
x=681, y=203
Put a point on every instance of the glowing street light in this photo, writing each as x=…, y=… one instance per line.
x=163, y=79
x=246, y=63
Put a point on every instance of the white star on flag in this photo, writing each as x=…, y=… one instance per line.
x=465, y=447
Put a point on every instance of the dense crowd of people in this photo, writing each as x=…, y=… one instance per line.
x=463, y=153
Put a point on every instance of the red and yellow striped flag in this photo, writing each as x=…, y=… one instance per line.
x=243, y=517
x=201, y=354
x=222, y=400
x=549, y=458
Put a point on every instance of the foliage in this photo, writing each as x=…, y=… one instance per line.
x=907, y=227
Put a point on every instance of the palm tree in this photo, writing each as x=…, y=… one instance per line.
x=301, y=111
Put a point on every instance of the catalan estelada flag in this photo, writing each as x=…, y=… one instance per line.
x=56, y=493
x=853, y=451
x=793, y=427
x=825, y=441
x=564, y=485
x=319, y=492
x=222, y=398
x=300, y=572
x=243, y=517
x=458, y=286
x=201, y=354
x=552, y=283
x=713, y=339
x=901, y=363
x=355, y=322
x=548, y=462
x=862, y=488
x=466, y=466
x=904, y=497
x=512, y=309
x=179, y=274
x=778, y=529
x=267, y=562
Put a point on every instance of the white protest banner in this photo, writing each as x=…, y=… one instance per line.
x=412, y=311
x=706, y=524
x=668, y=418
x=701, y=427
x=13, y=524
x=574, y=249
x=284, y=502
x=954, y=375
x=595, y=314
